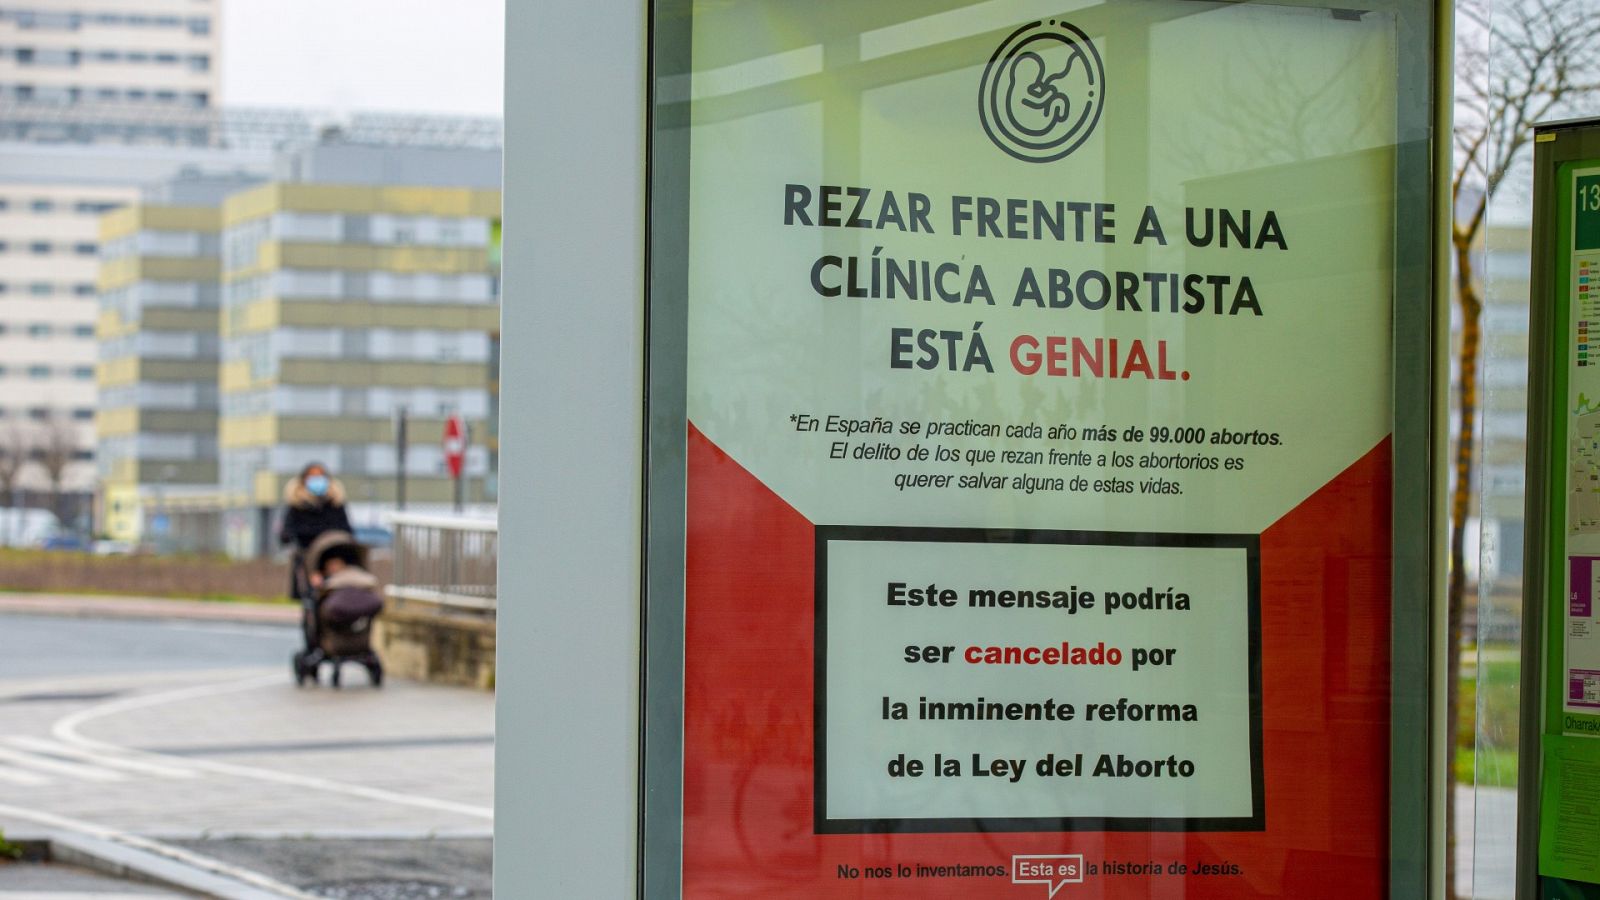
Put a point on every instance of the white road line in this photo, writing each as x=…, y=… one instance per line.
x=39, y=763
x=22, y=777
x=66, y=731
x=107, y=760
x=188, y=858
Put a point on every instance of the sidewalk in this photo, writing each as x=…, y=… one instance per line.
x=237, y=773
x=95, y=606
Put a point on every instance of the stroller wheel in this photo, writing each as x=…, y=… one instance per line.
x=335, y=679
x=298, y=663
x=375, y=671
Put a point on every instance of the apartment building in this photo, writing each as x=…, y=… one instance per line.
x=358, y=284
x=48, y=247
x=52, y=199
x=1505, y=264
x=88, y=92
x=83, y=71
x=158, y=333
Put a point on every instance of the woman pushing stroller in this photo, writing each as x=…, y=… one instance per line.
x=328, y=576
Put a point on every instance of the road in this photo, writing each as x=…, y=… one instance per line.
x=47, y=647
x=193, y=734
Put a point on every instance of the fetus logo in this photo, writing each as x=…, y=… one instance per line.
x=1042, y=90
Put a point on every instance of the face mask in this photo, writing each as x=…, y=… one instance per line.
x=318, y=485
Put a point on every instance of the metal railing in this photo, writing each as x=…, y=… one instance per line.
x=447, y=560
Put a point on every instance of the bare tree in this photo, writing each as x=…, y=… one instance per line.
x=58, y=443
x=14, y=450
x=1518, y=63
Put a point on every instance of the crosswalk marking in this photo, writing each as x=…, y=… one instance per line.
x=22, y=777
x=107, y=760
x=26, y=760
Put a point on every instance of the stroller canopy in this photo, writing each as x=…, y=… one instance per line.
x=333, y=540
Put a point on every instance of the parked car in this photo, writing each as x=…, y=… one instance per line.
x=20, y=527
x=65, y=540
x=374, y=538
x=112, y=548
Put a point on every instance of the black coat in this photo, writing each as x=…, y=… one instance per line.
x=303, y=523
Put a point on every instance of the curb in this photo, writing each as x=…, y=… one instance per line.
x=117, y=607
x=142, y=866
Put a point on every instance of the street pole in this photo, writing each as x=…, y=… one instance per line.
x=461, y=473
x=400, y=458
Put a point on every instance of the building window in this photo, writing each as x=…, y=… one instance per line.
x=39, y=329
x=39, y=414
x=27, y=18
x=42, y=205
x=3, y=288
x=83, y=414
x=38, y=373
x=83, y=290
x=138, y=56
x=83, y=331
x=83, y=373
x=4, y=246
x=167, y=59
x=200, y=62
x=41, y=289
x=82, y=455
x=39, y=248
x=84, y=248
x=4, y=204
x=198, y=25
x=47, y=56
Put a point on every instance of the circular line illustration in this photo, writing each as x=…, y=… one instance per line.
x=1042, y=91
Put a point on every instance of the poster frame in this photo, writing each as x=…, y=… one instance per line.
x=1420, y=367
x=1555, y=145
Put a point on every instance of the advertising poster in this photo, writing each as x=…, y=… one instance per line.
x=1039, y=458
x=1579, y=268
x=1569, y=818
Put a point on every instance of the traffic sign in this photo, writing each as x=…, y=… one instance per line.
x=455, y=445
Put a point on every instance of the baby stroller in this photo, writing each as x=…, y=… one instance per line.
x=339, y=599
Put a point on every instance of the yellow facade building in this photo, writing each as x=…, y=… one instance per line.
x=342, y=305
x=157, y=333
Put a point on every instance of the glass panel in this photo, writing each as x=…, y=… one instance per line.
x=1040, y=389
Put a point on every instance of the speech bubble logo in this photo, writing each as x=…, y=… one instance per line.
x=1053, y=870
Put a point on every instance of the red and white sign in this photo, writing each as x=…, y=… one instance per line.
x=455, y=445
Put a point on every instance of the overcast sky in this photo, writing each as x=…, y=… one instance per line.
x=439, y=56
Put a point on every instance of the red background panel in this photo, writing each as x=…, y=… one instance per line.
x=747, y=786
